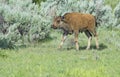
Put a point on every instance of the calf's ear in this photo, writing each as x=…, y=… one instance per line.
x=62, y=17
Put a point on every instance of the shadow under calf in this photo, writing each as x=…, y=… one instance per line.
x=101, y=47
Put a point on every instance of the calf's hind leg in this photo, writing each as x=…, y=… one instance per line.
x=89, y=35
x=96, y=37
x=96, y=40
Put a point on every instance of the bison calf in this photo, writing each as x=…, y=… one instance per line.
x=75, y=23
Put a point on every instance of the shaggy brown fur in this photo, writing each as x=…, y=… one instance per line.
x=75, y=23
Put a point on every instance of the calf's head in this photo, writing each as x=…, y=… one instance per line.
x=57, y=22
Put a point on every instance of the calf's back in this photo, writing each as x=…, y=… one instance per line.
x=79, y=21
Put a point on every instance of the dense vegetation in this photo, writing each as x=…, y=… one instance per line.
x=28, y=23
x=24, y=23
x=26, y=26
x=38, y=1
x=112, y=3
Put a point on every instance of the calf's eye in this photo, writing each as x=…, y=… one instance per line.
x=58, y=21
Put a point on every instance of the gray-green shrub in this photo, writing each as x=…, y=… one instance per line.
x=117, y=15
x=102, y=12
x=24, y=20
x=27, y=22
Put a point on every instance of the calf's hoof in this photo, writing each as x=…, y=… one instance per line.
x=59, y=47
x=87, y=48
x=97, y=47
x=77, y=49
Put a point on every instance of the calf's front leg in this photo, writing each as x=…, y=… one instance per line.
x=76, y=40
x=64, y=36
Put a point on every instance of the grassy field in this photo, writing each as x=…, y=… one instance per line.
x=45, y=60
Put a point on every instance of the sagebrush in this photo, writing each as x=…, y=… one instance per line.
x=27, y=22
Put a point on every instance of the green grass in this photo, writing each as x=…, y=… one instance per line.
x=45, y=60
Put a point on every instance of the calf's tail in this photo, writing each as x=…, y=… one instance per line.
x=96, y=24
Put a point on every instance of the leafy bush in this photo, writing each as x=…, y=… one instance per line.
x=27, y=22
x=112, y=3
x=102, y=12
x=37, y=1
x=117, y=15
x=24, y=20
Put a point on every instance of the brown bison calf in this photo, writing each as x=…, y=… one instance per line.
x=75, y=23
